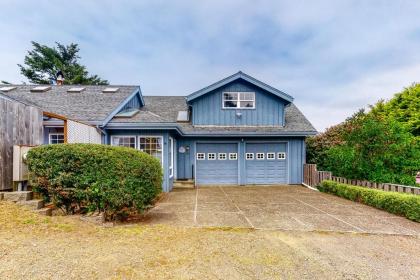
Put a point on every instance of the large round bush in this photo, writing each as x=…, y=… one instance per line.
x=90, y=177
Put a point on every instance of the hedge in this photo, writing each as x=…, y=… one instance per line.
x=407, y=205
x=90, y=177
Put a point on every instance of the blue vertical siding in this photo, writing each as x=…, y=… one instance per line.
x=269, y=109
x=134, y=103
x=296, y=159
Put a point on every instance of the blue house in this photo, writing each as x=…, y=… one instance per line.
x=237, y=131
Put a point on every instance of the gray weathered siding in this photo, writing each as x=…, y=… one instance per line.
x=19, y=125
x=269, y=109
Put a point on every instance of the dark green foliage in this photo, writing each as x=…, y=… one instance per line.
x=407, y=205
x=382, y=145
x=89, y=177
x=43, y=62
x=376, y=150
x=317, y=146
x=404, y=107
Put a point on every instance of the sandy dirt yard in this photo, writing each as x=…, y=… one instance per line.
x=37, y=247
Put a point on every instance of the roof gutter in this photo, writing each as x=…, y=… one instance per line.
x=171, y=126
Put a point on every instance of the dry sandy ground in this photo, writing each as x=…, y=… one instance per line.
x=36, y=247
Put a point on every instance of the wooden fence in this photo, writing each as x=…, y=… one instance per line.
x=312, y=177
x=20, y=124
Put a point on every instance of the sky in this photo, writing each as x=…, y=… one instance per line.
x=333, y=57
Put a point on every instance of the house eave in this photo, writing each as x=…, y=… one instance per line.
x=172, y=126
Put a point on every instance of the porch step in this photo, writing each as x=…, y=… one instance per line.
x=46, y=211
x=187, y=184
x=34, y=204
x=17, y=196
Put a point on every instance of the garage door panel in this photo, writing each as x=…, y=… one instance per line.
x=266, y=171
x=217, y=171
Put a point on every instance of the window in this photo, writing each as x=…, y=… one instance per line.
x=211, y=156
x=281, y=155
x=260, y=156
x=152, y=145
x=239, y=100
x=222, y=156
x=249, y=156
x=233, y=156
x=171, y=157
x=271, y=156
x=56, y=138
x=201, y=156
x=124, y=141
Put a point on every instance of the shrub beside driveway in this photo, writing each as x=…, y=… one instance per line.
x=90, y=177
x=407, y=205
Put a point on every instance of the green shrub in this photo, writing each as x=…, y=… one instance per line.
x=89, y=177
x=407, y=205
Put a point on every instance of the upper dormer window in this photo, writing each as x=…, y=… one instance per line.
x=239, y=100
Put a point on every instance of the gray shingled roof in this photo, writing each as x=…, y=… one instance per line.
x=164, y=109
x=89, y=105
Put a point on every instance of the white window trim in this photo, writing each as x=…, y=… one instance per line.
x=201, y=154
x=238, y=100
x=162, y=157
x=171, y=163
x=219, y=156
x=54, y=134
x=249, y=158
x=233, y=156
x=123, y=136
x=281, y=153
x=208, y=156
x=256, y=156
x=273, y=154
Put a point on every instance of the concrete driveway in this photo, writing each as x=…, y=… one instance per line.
x=274, y=208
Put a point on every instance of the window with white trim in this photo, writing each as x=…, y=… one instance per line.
x=222, y=156
x=233, y=156
x=171, y=157
x=259, y=156
x=124, y=141
x=271, y=156
x=211, y=156
x=201, y=156
x=281, y=155
x=56, y=138
x=239, y=100
x=249, y=156
x=153, y=145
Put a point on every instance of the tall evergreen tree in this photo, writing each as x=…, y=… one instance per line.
x=42, y=63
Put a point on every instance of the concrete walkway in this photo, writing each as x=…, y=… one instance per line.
x=274, y=208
